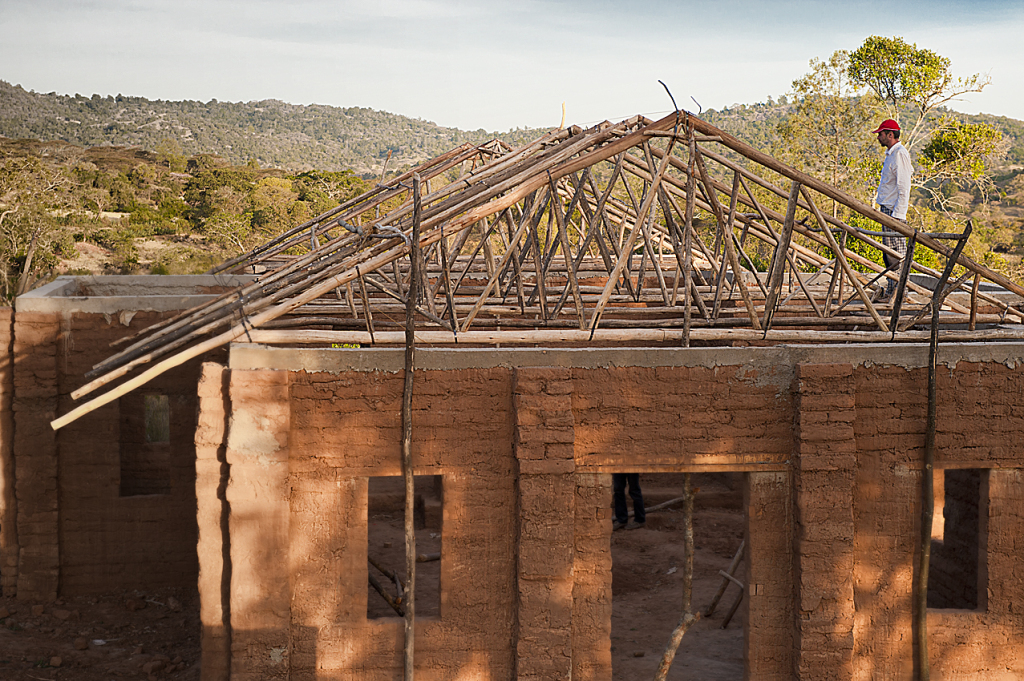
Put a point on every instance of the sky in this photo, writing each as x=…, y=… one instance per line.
x=487, y=64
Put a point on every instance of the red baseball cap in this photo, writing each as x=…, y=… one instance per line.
x=887, y=124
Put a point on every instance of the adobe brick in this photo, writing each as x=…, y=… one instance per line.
x=542, y=434
x=825, y=433
x=546, y=466
x=542, y=401
x=824, y=372
x=559, y=387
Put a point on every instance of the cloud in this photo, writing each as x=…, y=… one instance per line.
x=472, y=63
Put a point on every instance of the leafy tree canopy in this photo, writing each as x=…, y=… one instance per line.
x=905, y=77
x=960, y=150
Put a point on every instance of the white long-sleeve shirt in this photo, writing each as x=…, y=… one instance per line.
x=894, y=185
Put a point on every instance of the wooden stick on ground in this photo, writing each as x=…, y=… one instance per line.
x=710, y=610
x=388, y=598
x=734, y=608
x=390, y=574
x=660, y=507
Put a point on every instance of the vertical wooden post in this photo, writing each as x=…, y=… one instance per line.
x=922, y=671
x=974, y=302
x=687, y=232
x=407, y=475
x=687, y=544
x=688, y=618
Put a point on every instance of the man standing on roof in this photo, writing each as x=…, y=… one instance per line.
x=893, y=196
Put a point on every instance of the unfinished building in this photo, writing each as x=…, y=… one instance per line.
x=572, y=320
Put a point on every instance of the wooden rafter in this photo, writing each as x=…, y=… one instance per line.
x=630, y=227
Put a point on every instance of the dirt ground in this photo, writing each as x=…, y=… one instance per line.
x=127, y=635
x=647, y=571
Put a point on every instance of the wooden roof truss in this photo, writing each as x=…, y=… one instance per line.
x=581, y=236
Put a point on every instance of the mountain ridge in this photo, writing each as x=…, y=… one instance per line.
x=302, y=137
x=294, y=137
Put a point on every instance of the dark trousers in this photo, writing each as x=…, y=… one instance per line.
x=619, y=481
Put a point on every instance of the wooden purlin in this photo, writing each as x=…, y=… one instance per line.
x=550, y=220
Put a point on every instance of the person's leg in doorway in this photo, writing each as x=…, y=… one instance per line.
x=639, y=513
x=621, y=516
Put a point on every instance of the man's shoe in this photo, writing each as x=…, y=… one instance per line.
x=635, y=526
x=616, y=525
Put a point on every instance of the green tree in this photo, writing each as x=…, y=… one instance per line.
x=825, y=135
x=908, y=79
x=169, y=152
x=270, y=203
x=33, y=197
x=321, y=190
x=959, y=155
x=961, y=151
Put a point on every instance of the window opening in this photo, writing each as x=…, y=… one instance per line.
x=956, y=572
x=157, y=410
x=647, y=579
x=385, y=534
x=145, y=450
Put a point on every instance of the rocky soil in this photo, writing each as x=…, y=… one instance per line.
x=126, y=635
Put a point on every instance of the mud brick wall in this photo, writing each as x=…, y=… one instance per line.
x=979, y=411
x=8, y=505
x=259, y=527
x=768, y=574
x=74, y=532
x=35, y=452
x=564, y=562
x=661, y=416
x=346, y=428
x=213, y=546
x=110, y=541
x=823, y=476
x=832, y=451
x=891, y=408
x=592, y=583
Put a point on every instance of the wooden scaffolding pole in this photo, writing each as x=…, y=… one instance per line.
x=689, y=618
x=407, y=473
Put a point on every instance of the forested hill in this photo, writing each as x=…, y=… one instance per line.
x=290, y=136
x=306, y=137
